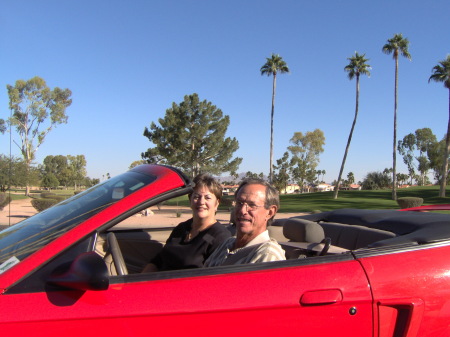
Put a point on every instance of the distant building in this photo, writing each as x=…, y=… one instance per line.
x=323, y=187
x=229, y=189
x=351, y=187
x=291, y=188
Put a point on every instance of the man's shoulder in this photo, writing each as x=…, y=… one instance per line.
x=270, y=251
x=270, y=244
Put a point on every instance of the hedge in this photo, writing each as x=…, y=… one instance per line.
x=5, y=199
x=408, y=202
x=43, y=203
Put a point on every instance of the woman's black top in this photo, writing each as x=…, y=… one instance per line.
x=180, y=254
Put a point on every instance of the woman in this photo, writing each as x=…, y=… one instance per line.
x=193, y=241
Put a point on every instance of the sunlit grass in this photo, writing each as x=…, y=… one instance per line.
x=323, y=201
x=378, y=199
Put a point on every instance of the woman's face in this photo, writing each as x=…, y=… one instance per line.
x=204, y=204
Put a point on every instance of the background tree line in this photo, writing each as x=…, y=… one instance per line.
x=37, y=109
x=422, y=152
x=55, y=172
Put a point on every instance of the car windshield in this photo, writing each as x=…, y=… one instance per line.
x=26, y=237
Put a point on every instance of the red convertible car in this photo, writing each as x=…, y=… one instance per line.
x=75, y=270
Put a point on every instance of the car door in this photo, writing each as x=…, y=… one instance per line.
x=411, y=289
x=320, y=296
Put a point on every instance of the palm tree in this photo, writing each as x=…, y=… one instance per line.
x=318, y=172
x=441, y=73
x=395, y=46
x=355, y=68
x=273, y=65
x=350, y=178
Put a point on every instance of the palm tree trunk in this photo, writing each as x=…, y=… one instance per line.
x=446, y=153
x=336, y=188
x=394, y=150
x=274, y=86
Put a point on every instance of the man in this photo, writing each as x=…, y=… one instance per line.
x=257, y=202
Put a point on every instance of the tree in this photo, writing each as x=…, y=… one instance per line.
x=91, y=181
x=136, y=163
x=192, y=137
x=58, y=167
x=77, y=169
x=435, y=154
x=425, y=139
x=274, y=65
x=13, y=172
x=406, y=149
x=402, y=178
x=36, y=111
x=281, y=173
x=318, y=172
x=395, y=46
x=253, y=175
x=420, y=141
x=350, y=178
x=441, y=73
x=50, y=181
x=305, y=151
x=65, y=169
x=377, y=180
x=358, y=66
x=2, y=126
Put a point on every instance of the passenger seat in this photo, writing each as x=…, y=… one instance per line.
x=305, y=237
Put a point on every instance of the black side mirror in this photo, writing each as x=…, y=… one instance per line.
x=87, y=272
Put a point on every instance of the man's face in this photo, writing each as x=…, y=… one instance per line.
x=251, y=215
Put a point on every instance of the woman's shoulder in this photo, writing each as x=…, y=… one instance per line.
x=184, y=224
x=183, y=227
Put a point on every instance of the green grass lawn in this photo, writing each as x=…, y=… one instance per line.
x=323, y=201
x=15, y=196
x=20, y=194
x=379, y=199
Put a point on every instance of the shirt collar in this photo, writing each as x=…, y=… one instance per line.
x=261, y=238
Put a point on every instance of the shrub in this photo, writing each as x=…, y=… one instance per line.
x=48, y=195
x=54, y=196
x=227, y=201
x=59, y=198
x=5, y=199
x=43, y=203
x=408, y=202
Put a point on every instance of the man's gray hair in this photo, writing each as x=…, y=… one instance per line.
x=272, y=195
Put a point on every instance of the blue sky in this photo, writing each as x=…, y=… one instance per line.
x=127, y=61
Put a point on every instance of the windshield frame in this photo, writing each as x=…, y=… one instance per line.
x=28, y=236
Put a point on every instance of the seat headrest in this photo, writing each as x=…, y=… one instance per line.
x=300, y=230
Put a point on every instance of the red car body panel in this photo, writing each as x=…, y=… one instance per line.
x=266, y=303
x=391, y=290
x=411, y=292
x=426, y=208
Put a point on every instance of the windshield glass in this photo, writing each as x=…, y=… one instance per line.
x=26, y=237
